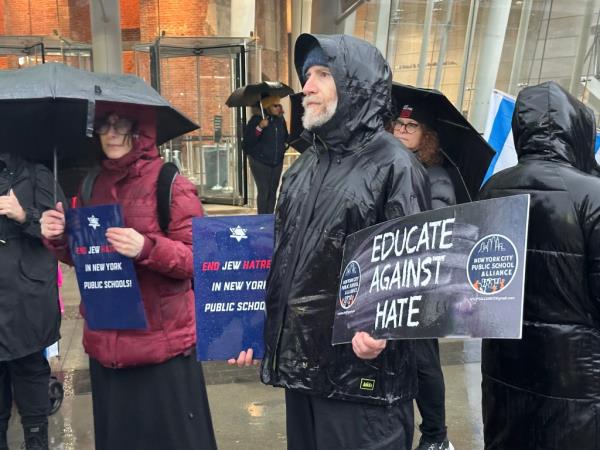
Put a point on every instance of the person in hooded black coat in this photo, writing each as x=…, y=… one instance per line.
x=353, y=176
x=29, y=310
x=543, y=391
x=265, y=142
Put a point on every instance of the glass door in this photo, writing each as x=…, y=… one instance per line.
x=197, y=75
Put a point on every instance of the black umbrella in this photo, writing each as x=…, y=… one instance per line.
x=464, y=148
x=251, y=94
x=47, y=111
x=49, y=108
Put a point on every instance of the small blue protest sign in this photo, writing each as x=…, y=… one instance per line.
x=232, y=258
x=107, y=280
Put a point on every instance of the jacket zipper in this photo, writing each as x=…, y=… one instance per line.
x=306, y=219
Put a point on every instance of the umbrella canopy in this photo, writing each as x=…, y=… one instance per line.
x=130, y=89
x=251, y=94
x=464, y=148
x=51, y=107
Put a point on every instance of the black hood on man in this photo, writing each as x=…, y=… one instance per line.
x=363, y=80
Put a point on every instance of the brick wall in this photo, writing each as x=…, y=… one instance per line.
x=170, y=17
x=199, y=90
x=69, y=19
x=17, y=17
x=79, y=21
x=2, y=28
x=130, y=14
x=179, y=76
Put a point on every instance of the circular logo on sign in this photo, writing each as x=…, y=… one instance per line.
x=350, y=284
x=492, y=264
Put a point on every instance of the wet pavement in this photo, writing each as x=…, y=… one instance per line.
x=246, y=414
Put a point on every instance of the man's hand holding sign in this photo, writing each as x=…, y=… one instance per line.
x=365, y=347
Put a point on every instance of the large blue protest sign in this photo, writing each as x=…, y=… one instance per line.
x=232, y=258
x=451, y=272
x=498, y=133
x=107, y=280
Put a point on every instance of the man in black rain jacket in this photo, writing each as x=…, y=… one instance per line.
x=543, y=391
x=355, y=175
x=29, y=311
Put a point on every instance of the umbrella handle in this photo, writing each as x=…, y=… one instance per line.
x=262, y=111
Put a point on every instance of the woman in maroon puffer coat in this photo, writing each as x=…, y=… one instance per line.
x=148, y=390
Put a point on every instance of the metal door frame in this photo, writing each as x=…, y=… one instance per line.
x=168, y=47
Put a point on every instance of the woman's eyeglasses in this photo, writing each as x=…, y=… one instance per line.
x=409, y=127
x=121, y=126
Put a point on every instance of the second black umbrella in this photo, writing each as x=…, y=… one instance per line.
x=251, y=94
x=462, y=144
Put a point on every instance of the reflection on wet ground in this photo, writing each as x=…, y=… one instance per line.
x=453, y=352
x=250, y=416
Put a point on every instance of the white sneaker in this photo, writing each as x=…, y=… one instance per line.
x=444, y=445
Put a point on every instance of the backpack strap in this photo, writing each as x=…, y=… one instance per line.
x=87, y=185
x=164, y=189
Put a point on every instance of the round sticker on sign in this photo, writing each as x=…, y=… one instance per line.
x=349, y=284
x=492, y=264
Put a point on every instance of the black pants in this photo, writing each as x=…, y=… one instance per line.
x=431, y=397
x=267, y=182
x=315, y=423
x=26, y=379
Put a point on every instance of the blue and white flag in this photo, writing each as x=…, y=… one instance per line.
x=498, y=133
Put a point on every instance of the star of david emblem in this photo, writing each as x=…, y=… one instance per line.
x=238, y=233
x=93, y=222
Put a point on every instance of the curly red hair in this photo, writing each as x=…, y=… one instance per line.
x=428, y=152
x=429, y=149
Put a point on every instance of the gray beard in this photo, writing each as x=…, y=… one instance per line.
x=311, y=120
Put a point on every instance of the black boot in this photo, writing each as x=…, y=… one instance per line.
x=36, y=436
